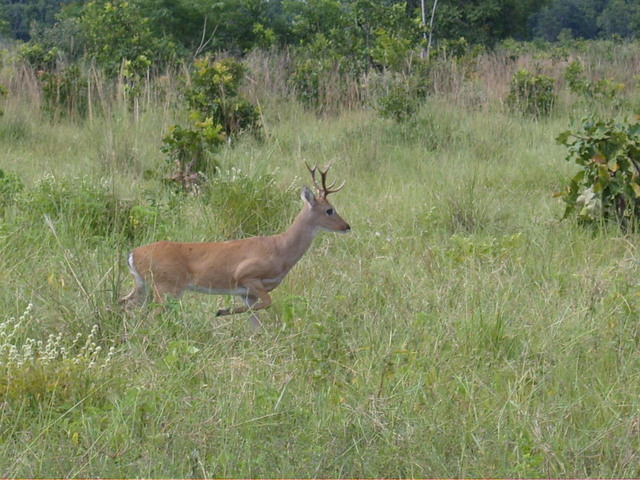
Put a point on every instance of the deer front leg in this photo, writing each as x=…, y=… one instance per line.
x=256, y=298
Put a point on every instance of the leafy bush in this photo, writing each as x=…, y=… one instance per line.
x=397, y=103
x=65, y=92
x=391, y=50
x=249, y=206
x=603, y=89
x=321, y=77
x=608, y=183
x=531, y=94
x=88, y=208
x=306, y=79
x=400, y=98
x=118, y=31
x=218, y=112
x=214, y=94
x=38, y=56
x=189, y=153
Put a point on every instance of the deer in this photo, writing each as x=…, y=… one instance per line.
x=249, y=267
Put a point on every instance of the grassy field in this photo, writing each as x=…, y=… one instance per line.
x=460, y=330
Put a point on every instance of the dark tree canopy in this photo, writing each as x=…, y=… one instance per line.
x=241, y=25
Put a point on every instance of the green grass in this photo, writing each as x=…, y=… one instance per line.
x=460, y=330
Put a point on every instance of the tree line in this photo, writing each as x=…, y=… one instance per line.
x=241, y=25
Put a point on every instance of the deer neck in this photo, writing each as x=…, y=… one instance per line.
x=297, y=239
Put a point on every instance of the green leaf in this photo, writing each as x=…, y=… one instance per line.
x=564, y=137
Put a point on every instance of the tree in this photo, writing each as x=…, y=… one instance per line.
x=588, y=19
x=618, y=18
x=20, y=15
x=118, y=31
x=484, y=21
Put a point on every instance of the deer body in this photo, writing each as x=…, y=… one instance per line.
x=249, y=268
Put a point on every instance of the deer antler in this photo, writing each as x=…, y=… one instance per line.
x=324, y=191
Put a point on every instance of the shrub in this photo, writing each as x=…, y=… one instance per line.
x=531, y=94
x=142, y=219
x=118, y=31
x=603, y=89
x=218, y=113
x=607, y=187
x=321, y=77
x=190, y=153
x=400, y=98
x=305, y=79
x=39, y=57
x=397, y=103
x=65, y=92
x=214, y=94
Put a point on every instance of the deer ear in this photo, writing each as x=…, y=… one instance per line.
x=307, y=196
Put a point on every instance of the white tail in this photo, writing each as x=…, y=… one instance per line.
x=250, y=267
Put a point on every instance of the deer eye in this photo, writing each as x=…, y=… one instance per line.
x=329, y=211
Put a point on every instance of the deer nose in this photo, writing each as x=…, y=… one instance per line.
x=347, y=228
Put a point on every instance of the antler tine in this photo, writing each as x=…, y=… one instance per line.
x=336, y=189
x=325, y=190
x=313, y=177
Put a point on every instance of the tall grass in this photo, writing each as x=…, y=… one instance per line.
x=460, y=330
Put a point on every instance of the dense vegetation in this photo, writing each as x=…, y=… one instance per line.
x=242, y=25
x=480, y=319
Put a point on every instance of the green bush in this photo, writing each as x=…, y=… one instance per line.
x=305, y=80
x=607, y=187
x=321, y=76
x=65, y=92
x=144, y=219
x=397, y=104
x=400, y=100
x=214, y=93
x=399, y=96
x=602, y=90
x=118, y=31
x=190, y=153
x=218, y=112
x=39, y=57
x=531, y=94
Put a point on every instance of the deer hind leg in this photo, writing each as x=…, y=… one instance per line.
x=138, y=295
x=135, y=298
x=166, y=288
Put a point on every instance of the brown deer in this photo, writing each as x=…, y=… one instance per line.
x=249, y=267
